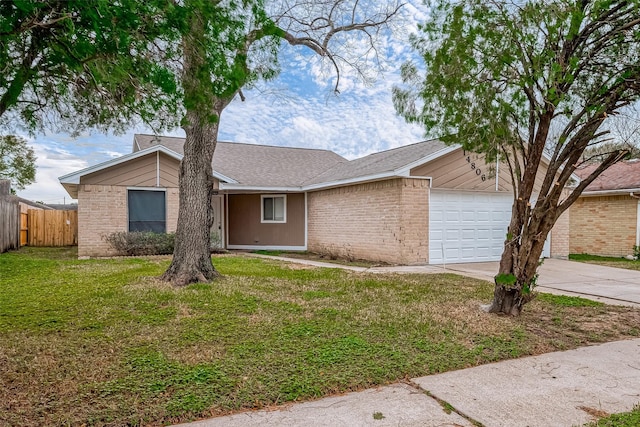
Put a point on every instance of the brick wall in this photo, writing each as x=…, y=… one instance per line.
x=102, y=209
x=414, y=203
x=560, y=236
x=603, y=225
x=380, y=221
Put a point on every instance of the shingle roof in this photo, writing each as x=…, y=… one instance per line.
x=377, y=163
x=620, y=176
x=257, y=165
x=264, y=165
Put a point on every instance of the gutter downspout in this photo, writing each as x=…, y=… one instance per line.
x=635, y=196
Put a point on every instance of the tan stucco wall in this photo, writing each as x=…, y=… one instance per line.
x=102, y=209
x=604, y=226
x=381, y=221
x=246, y=228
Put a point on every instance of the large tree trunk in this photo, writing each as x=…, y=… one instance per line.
x=192, y=254
x=517, y=275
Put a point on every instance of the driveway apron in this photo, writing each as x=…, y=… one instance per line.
x=572, y=278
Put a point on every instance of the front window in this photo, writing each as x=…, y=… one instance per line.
x=274, y=208
x=147, y=211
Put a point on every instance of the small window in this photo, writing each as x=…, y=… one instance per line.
x=147, y=211
x=274, y=208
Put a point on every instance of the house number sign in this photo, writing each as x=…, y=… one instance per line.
x=475, y=168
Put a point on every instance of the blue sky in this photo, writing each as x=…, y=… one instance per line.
x=297, y=109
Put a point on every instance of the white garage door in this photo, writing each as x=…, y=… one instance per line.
x=467, y=226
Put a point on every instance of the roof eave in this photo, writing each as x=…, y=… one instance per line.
x=234, y=186
x=613, y=192
x=74, y=177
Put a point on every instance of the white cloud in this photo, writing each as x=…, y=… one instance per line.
x=297, y=109
x=52, y=162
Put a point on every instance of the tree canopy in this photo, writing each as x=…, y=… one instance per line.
x=82, y=64
x=17, y=161
x=227, y=46
x=519, y=81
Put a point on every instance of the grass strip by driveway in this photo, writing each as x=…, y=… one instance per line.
x=103, y=342
x=617, y=262
x=627, y=419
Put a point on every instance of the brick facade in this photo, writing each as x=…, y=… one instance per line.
x=604, y=225
x=102, y=209
x=560, y=236
x=381, y=221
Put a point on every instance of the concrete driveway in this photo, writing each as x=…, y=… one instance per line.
x=606, y=284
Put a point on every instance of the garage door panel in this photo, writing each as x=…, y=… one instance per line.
x=497, y=233
x=483, y=216
x=483, y=234
x=472, y=226
x=452, y=215
x=467, y=234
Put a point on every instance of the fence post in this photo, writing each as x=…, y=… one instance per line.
x=9, y=218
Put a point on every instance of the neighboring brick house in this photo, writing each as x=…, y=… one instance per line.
x=605, y=220
x=417, y=204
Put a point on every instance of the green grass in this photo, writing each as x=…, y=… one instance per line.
x=311, y=256
x=568, y=301
x=627, y=419
x=100, y=342
x=618, y=262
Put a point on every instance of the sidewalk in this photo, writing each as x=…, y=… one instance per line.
x=555, y=389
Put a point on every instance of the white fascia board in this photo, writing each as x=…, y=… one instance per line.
x=406, y=170
x=74, y=177
x=321, y=186
x=620, y=192
x=348, y=181
x=231, y=186
x=223, y=178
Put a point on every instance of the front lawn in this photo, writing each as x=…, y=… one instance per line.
x=627, y=419
x=618, y=262
x=100, y=342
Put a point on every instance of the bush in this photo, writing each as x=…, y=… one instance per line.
x=141, y=242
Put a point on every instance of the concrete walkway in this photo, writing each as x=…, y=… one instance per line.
x=555, y=389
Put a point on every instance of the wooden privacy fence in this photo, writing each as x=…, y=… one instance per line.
x=52, y=228
x=9, y=224
x=24, y=228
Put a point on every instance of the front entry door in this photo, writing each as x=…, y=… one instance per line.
x=217, y=229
